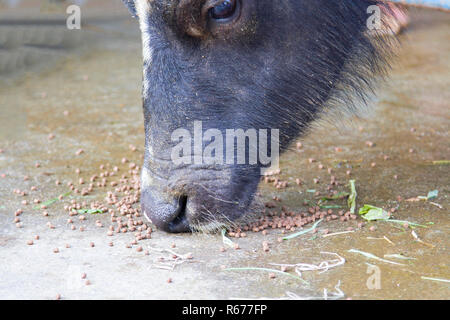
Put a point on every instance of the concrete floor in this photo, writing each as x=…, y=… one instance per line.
x=101, y=91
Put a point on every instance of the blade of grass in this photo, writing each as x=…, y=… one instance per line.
x=331, y=207
x=372, y=256
x=435, y=279
x=413, y=224
x=351, y=202
x=398, y=256
x=226, y=240
x=441, y=162
x=294, y=235
x=268, y=270
x=88, y=211
x=51, y=201
x=337, y=196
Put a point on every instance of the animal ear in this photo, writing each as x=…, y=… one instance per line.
x=131, y=7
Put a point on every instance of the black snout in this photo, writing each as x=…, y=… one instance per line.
x=197, y=200
x=165, y=212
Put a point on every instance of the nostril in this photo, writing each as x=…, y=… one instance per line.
x=180, y=222
x=166, y=214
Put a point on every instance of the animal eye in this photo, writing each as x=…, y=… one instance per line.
x=223, y=10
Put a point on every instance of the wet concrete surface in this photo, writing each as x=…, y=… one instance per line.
x=100, y=89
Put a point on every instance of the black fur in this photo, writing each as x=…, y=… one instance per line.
x=131, y=7
x=288, y=61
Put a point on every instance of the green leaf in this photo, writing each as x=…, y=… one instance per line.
x=371, y=213
x=432, y=194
